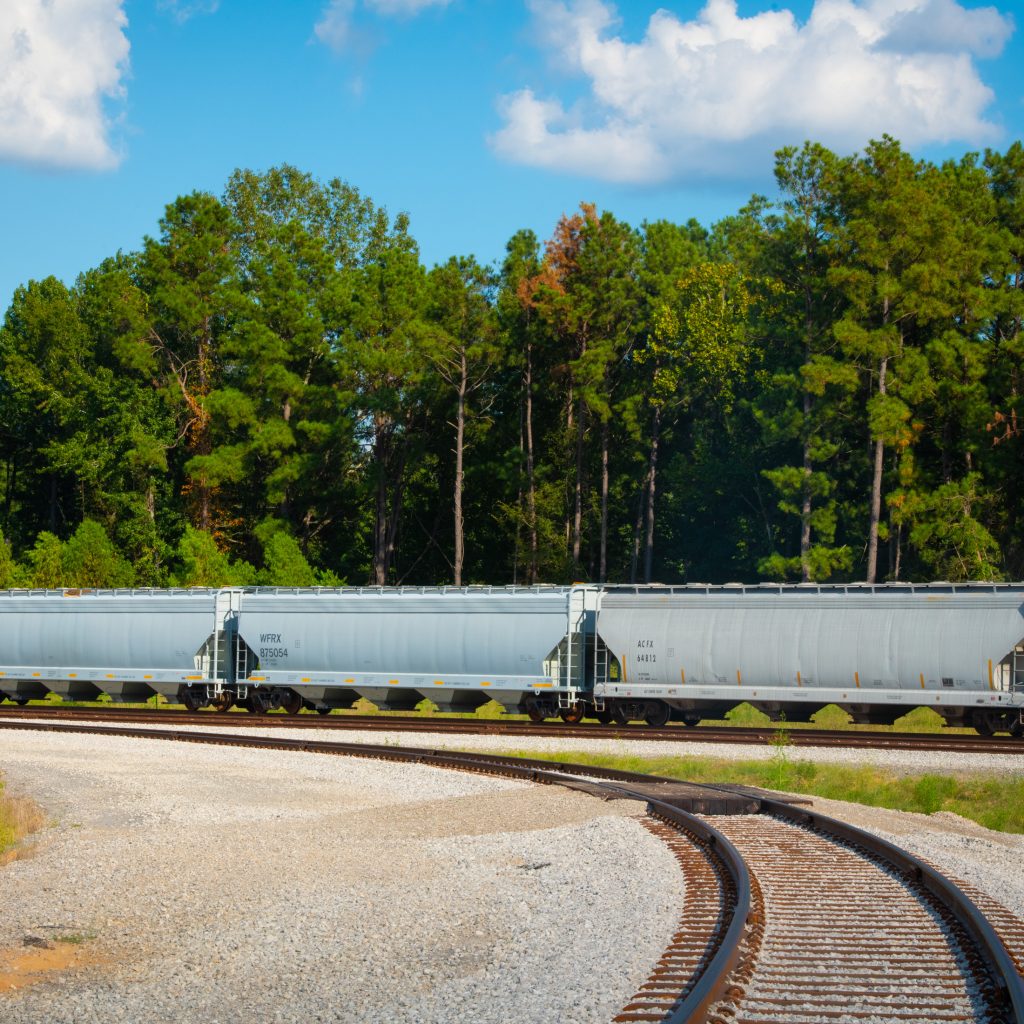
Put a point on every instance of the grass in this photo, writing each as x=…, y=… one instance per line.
x=996, y=803
x=19, y=817
x=76, y=938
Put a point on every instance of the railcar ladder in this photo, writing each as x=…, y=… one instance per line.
x=1017, y=669
x=223, y=667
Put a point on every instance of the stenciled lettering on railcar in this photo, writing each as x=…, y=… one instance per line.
x=645, y=652
x=271, y=653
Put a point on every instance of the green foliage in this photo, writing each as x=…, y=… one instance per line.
x=203, y=564
x=820, y=386
x=284, y=563
x=46, y=562
x=9, y=575
x=89, y=559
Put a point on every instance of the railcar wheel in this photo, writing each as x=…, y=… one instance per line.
x=1017, y=729
x=534, y=714
x=604, y=717
x=323, y=711
x=292, y=704
x=691, y=720
x=21, y=701
x=573, y=715
x=619, y=715
x=223, y=702
x=256, y=703
x=983, y=725
x=192, y=700
x=658, y=714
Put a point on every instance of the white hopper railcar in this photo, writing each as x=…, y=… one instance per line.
x=619, y=653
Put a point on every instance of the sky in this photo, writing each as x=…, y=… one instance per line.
x=476, y=117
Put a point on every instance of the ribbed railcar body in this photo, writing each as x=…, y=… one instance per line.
x=801, y=647
x=458, y=646
x=79, y=643
x=620, y=653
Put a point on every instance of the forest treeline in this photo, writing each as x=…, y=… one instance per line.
x=274, y=389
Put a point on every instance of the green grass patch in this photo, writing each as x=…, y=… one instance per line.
x=76, y=938
x=996, y=803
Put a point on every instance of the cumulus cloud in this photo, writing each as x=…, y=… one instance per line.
x=59, y=61
x=335, y=27
x=718, y=93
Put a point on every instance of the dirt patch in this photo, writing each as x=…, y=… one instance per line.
x=23, y=967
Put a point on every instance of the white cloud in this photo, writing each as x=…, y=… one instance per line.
x=182, y=10
x=717, y=94
x=403, y=8
x=336, y=29
x=59, y=60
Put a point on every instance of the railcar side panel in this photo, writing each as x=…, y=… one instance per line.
x=430, y=642
x=884, y=644
x=129, y=644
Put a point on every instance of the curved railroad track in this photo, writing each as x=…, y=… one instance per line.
x=853, y=739
x=856, y=929
x=788, y=916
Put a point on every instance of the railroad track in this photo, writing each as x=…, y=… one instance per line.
x=851, y=928
x=851, y=739
x=789, y=915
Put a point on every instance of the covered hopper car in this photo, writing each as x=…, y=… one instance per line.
x=618, y=653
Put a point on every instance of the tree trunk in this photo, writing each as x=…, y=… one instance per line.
x=203, y=440
x=53, y=503
x=602, y=572
x=395, y=517
x=638, y=525
x=876, y=489
x=569, y=421
x=805, y=508
x=577, y=508
x=531, y=490
x=652, y=469
x=380, y=532
x=460, y=434
x=805, y=515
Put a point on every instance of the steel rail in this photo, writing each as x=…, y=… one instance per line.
x=744, y=735
x=991, y=947
x=704, y=989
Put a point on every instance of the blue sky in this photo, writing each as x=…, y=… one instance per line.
x=478, y=117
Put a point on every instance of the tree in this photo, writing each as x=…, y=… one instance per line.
x=518, y=320
x=203, y=564
x=809, y=387
x=382, y=350
x=89, y=559
x=891, y=274
x=698, y=349
x=587, y=292
x=464, y=354
x=189, y=277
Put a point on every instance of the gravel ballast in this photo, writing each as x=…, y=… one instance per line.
x=220, y=885
x=900, y=761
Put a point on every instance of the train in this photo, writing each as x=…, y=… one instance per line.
x=617, y=653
